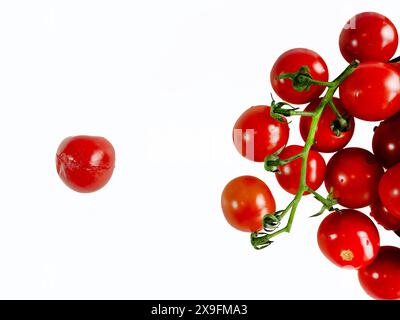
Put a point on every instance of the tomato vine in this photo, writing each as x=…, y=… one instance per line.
x=301, y=81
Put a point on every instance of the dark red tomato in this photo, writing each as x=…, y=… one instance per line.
x=396, y=65
x=389, y=190
x=384, y=217
x=354, y=175
x=348, y=238
x=291, y=61
x=381, y=279
x=386, y=141
x=372, y=91
x=326, y=139
x=368, y=36
x=245, y=200
x=85, y=163
x=256, y=134
x=289, y=174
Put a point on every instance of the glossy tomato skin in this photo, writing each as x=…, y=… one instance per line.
x=256, y=134
x=368, y=36
x=354, y=175
x=381, y=278
x=289, y=174
x=372, y=91
x=384, y=217
x=389, y=190
x=291, y=61
x=396, y=65
x=85, y=163
x=386, y=141
x=348, y=238
x=326, y=139
x=245, y=200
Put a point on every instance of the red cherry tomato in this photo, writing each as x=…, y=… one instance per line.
x=245, y=200
x=289, y=174
x=381, y=279
x=85, y=163
x=389, y=190
x=372, y=91
x=348, y=238
x=290, y=62
x=386, y=141
x=368, y=36
x=326, y=139
x=256, y=134
x=396, y=65
x=354, y=174
x=384, y=217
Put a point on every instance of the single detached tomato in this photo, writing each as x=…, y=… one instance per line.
x=290, y=62
x=384, y=217
x=354, y=175
x=381, y=279
x=256, y=134
x=368, y=36
x=327, y=137
x=386, y=141
x=348, y=238
x=289, y=174
x=389, y=190
x=85, y=163
x=372, y=91
x=245, y=200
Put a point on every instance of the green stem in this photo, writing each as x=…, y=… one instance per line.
x=334, y=109
x=317, y=82
x=282, y=162
x=311, y=135
x=320, y=198
x=293, y=212
x=334, y=85
x=342, y=120
x=301, y=113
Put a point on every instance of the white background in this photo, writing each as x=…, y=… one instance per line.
x=164, y=81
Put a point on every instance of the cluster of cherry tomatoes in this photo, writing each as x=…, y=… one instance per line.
x=354, y=177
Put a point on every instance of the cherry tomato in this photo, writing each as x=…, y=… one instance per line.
x=372, y=91
x=245, y=200
x=348, y=238
x=326, y=139
x=368, y=36
x=396, y=65
x=381, y=279
x=389, y=190
x=256, y=134
x=386, y=141
x=291, y=61
x=384, y=217
x=85, y=163
x=289, y=174
x=354, y=174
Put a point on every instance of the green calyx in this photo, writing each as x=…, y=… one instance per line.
x=301, y=79
x=340, y=125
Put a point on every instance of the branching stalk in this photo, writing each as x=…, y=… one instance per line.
x=263, y=239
